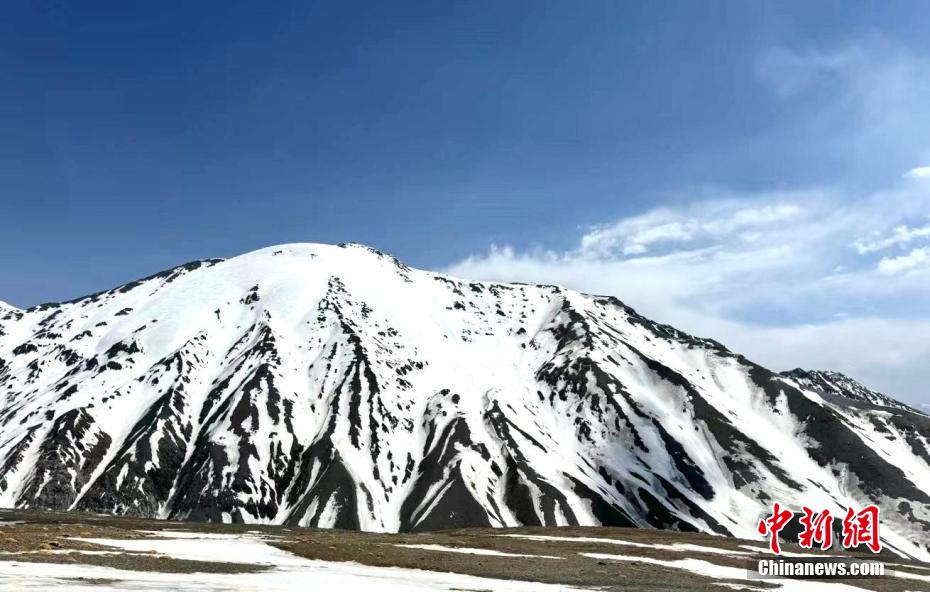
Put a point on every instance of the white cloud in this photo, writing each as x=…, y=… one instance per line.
x=922, y=172
x=916, y=259
x=635, y=236
x=899, y=235
x=665, y=227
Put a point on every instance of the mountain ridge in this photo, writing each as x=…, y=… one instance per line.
x=335, y=386
x=836, y=383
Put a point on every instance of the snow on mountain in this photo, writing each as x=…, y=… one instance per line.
x=840, y=385
x=334, y=386
x=7, y=311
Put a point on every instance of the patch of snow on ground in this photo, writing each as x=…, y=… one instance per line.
x=322, y=575
x=226, y=548
x=910, y=576
x=63, y=552
x=473, y=551
x=287, y=572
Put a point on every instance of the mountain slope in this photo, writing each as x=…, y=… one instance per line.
x=334, y=386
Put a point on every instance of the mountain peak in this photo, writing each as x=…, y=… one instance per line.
x=836, y=383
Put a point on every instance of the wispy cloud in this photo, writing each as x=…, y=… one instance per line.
x=922, y=172
x=669, y=227
x=793, y=72
x=864, y=101
x=900, y=235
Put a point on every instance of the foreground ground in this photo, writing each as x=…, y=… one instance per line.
x=72, y=551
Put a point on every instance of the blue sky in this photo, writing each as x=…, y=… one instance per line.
x=748, y=171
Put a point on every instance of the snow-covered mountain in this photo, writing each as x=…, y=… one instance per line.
x=334, y=386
